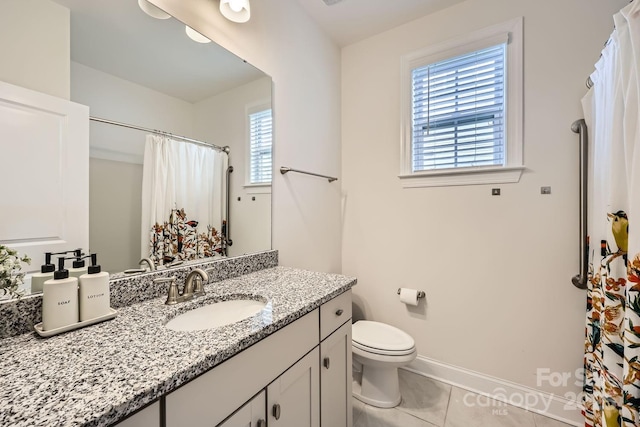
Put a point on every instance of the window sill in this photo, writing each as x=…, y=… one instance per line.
x=476, y=176
x=257, y=188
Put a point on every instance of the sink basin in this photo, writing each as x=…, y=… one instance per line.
x=215, y=315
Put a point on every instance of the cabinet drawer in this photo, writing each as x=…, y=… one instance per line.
x=334, y=313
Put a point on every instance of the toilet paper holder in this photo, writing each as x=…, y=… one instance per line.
x=421, y=294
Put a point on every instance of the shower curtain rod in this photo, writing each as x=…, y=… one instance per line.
x=224, y=149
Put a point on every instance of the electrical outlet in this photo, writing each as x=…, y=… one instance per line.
x=495, y=191
x=545, y=190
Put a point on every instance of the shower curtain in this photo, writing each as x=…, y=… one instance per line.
x=182, y=200
x=612, y=345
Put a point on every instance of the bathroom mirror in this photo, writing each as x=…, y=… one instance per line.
x=131, y=68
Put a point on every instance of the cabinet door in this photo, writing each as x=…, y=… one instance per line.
x=148, y=417
x=293, y=398
x=252, y=414
x=335, y=379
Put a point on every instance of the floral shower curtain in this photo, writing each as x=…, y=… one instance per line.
x=612, y=345
x=182, y=200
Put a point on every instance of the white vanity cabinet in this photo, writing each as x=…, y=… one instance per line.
x=302, y=374
x=210, y=398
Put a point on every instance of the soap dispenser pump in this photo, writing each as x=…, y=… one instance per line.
x=59, y=299
x=95, y=300
x=78, y=268
x=46, y=273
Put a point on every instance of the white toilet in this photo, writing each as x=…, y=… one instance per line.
x=378, y=351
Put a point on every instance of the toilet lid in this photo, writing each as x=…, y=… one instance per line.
x=380, y=336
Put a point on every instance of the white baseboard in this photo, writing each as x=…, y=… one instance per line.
x=547, y=404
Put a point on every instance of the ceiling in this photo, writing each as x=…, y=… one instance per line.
x=117, y=37
x=349, y=21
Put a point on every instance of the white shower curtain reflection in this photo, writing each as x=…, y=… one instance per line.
x=182, y=200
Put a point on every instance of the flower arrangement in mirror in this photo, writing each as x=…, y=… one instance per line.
x=11, y=274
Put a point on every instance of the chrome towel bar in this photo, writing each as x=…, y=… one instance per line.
x=284, y=170
x=580, y=280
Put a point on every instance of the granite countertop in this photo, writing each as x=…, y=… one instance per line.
x=98, y=375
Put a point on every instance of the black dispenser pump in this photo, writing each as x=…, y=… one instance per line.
x=94, y=268
x=61, y=273
x=79, y=261
x=47, y=267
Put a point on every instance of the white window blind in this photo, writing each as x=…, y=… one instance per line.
x=458, y=111
x=260, y=143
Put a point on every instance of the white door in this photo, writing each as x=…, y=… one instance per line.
x=293, y=398
x=44, y=151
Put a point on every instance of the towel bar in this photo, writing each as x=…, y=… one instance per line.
x=284, y=170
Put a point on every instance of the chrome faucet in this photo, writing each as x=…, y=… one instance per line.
x=193, y=286
x=195, y=282
x=149, y=262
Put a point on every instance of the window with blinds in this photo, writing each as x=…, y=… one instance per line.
x=462, y=109
x=458, y=117
x=260, y=143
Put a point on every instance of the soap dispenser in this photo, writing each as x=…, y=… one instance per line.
x=46, y=273
x=59, y=299
x=94, y=292
x=78, y=268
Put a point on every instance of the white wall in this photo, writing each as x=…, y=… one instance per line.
x=113, y=98
x=34, y=45
x=496, y=270
x=281, y=40
x=114, y=213
x=222, y=119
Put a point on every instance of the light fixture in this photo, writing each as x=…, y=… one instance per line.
x=195, y=36
x=235, y=10
x=153, y=10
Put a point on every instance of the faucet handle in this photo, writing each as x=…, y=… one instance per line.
x=198, y=286
x=164, y=279
x=194, y=285
x=172, y=295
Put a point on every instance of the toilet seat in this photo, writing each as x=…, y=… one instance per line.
x=382, y=352
x=380, y=338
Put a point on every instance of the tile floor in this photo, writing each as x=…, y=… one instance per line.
x=430, y=403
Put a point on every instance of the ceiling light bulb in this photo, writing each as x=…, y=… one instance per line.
x=153, y=10
x=196, y=36
x=235, y=10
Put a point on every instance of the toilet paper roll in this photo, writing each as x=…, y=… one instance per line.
x=409, y=296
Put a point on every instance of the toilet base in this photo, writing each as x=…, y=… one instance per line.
x=368, y=392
